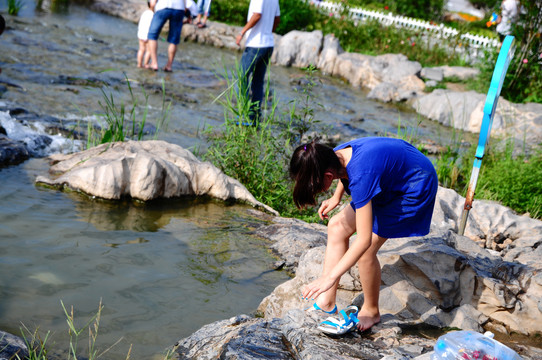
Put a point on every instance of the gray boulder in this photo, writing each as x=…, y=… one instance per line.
x=452, y=108
x=12, y=347
x=330, y=51
x=143, y=170
x=390, y=77
x=459, y=72
x=464, y=110
x=434, y=74
x=12, y=152
x=295, y=337
x=298, y=49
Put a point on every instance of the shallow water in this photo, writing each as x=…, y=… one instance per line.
x=163, y=269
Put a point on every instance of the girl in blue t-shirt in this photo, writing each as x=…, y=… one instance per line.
x=393, y=188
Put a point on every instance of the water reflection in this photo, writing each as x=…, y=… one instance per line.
x=163, y=268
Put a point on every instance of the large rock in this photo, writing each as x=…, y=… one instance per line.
x=12, y=347
x=12, y=152
x=331, y=49
x=298, y=49
x=295, y=337
x=439, y=73
x=464, y=110
x=390, y=77
x=452, y=108
x=291, y=238
x=143, y=170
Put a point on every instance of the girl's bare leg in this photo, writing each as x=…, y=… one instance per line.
x=141, y=52
x=339, y=230
x=370, y=276
x=147, y=56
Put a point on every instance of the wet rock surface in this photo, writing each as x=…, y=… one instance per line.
x=436, y=282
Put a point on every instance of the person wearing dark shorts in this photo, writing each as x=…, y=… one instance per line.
x=393, y=188
x=166, y=10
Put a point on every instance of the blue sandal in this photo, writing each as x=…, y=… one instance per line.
x=335, y=326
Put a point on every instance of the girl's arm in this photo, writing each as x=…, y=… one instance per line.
x=364, y=228
x=331, y=203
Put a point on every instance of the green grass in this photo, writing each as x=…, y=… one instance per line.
x=515, y=180
x=14, y=6
x=39, y=347
x=258, y=156
x=125, y=122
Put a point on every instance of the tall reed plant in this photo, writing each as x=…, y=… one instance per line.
x=38, y=347
x=35, y=344
x=257, y=156
x=124, y=122
x=14, y=6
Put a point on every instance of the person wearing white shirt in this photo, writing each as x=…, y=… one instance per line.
x=263, y=18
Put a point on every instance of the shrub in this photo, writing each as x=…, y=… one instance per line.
x=420, y=9
x=294, y=14
x=523, y=82
x=230, y=12
x=373, y=38
x=123, y=122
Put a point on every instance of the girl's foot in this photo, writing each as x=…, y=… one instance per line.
x=332, y=310
x=329, y=308
x=367, y=319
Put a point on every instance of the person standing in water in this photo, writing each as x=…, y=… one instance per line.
x=166, y=10
x=262, y=20
x=143, y=53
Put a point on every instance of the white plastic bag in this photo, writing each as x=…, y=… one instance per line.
x=471, y=345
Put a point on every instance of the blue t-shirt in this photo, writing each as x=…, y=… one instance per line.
x=400, y=180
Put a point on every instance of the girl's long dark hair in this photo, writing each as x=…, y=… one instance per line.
x=307, y=168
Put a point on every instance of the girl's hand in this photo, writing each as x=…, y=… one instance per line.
x=318, y=286
x=327, y=206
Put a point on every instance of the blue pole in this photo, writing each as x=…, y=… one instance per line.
x=501, y=67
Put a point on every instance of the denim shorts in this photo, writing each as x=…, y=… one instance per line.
x=204, y=7
x=175, y=18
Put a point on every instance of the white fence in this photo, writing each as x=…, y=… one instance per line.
x=440, y=31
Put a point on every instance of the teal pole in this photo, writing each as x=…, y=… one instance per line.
x=501, y=67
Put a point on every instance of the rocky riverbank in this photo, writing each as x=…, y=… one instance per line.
x=489, y=279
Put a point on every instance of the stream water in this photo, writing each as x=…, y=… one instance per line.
x=163, y=269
